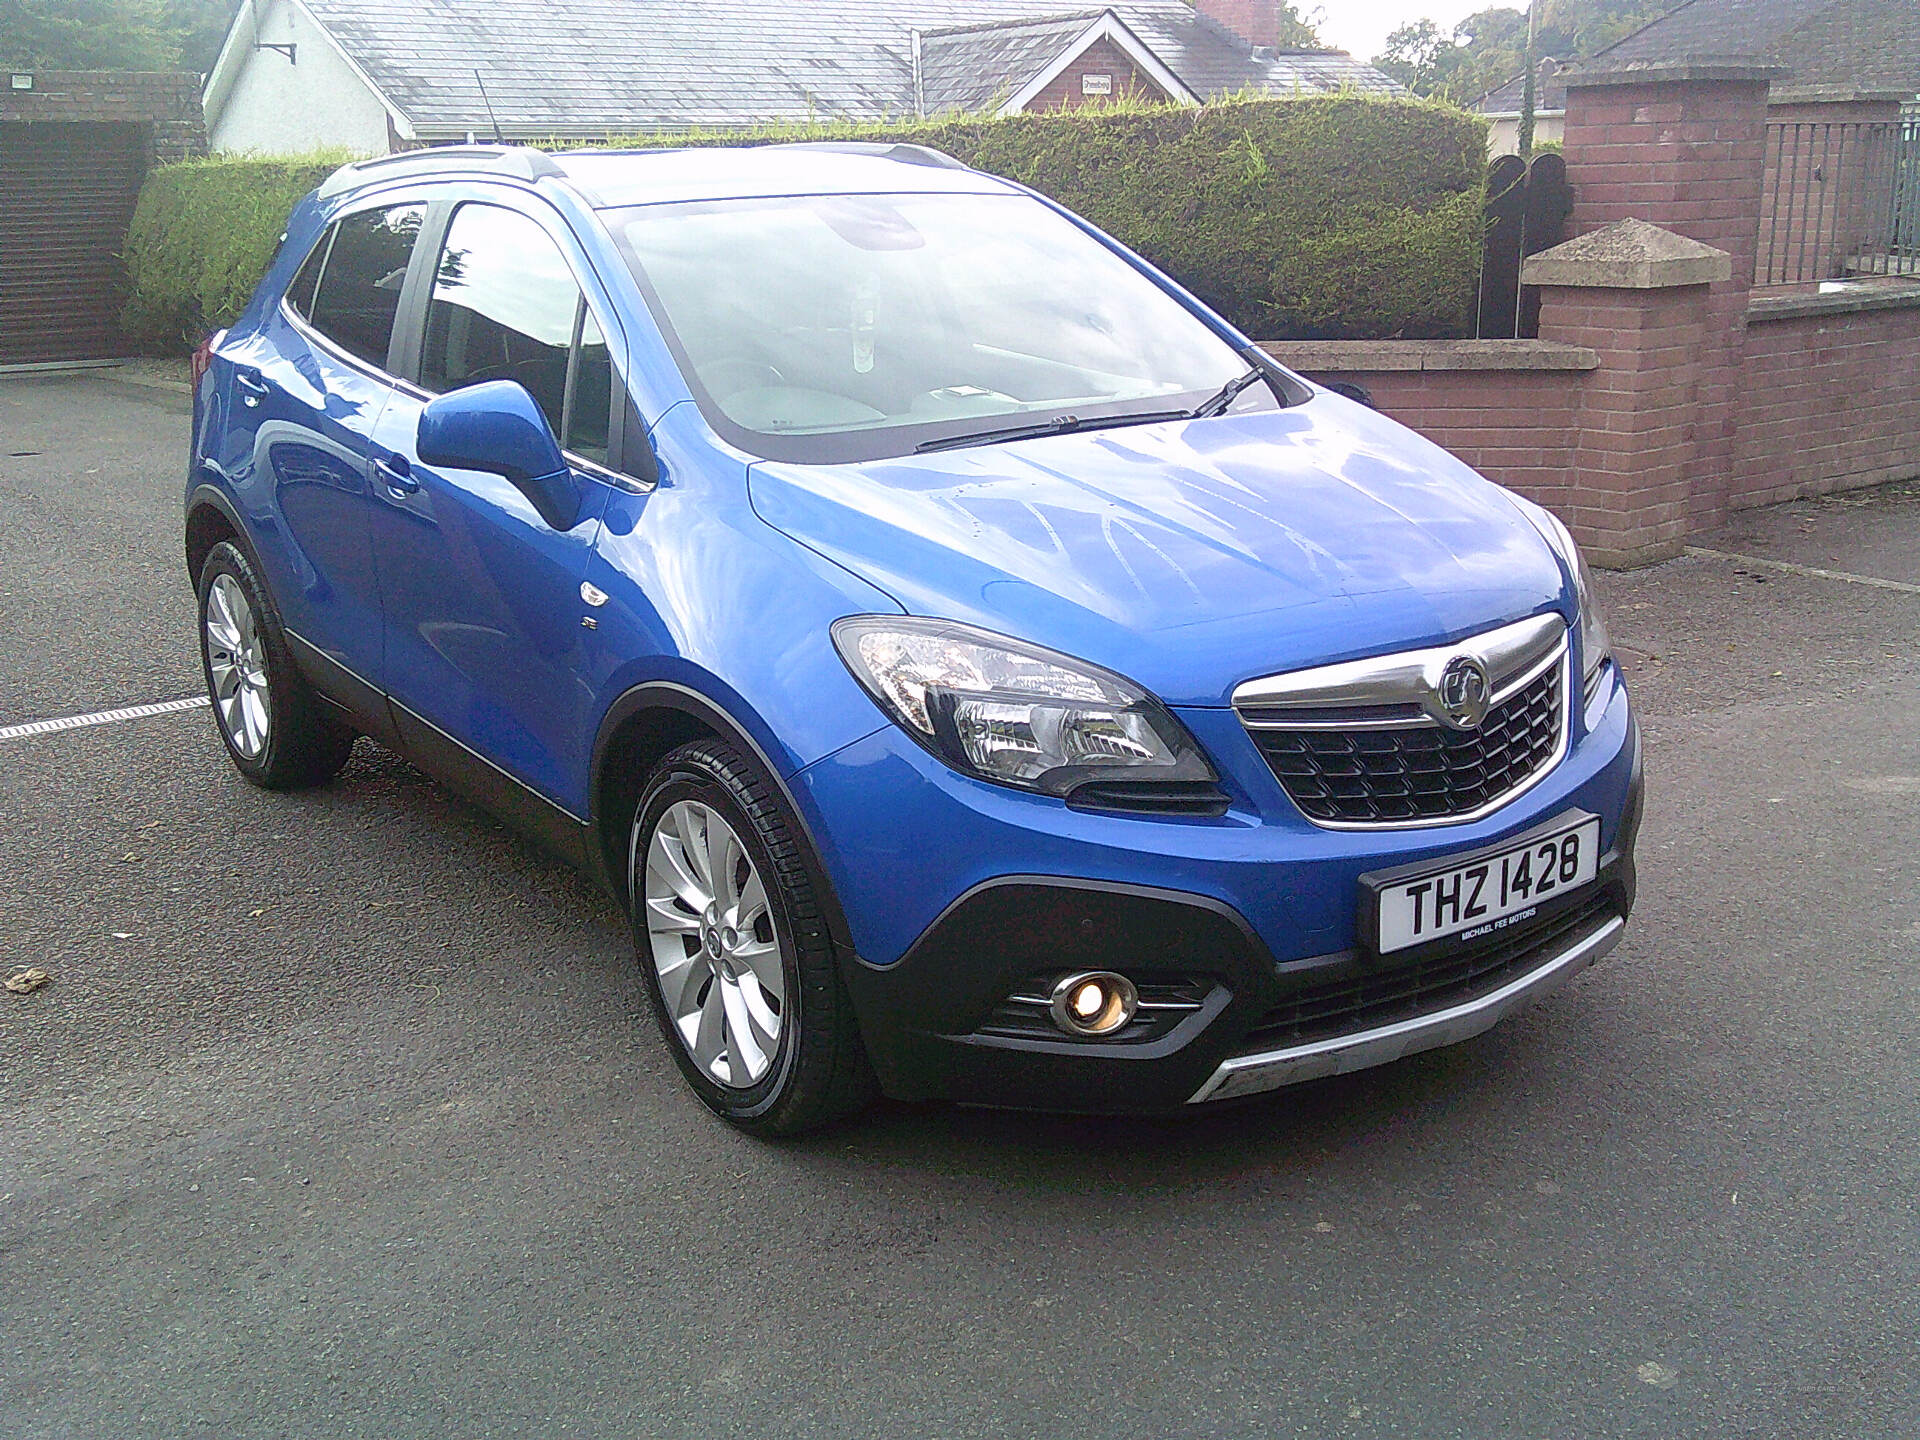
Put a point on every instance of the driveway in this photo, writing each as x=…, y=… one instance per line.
x=343, y=1116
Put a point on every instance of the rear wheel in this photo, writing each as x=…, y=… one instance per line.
x=272, y=724
x=728, y=927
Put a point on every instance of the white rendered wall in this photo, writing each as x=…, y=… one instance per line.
x=317, y=103
x=1503, y=135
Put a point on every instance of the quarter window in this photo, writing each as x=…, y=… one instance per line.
x=506, y=306
x=361, y=277
x=300, y=293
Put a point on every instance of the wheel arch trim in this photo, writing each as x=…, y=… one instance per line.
x=685, y=699
x=207, y=495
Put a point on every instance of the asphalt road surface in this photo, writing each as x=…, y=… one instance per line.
x=343, y=1116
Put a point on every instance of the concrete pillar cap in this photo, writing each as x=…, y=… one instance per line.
x=1628, y=255
x=1694, y=70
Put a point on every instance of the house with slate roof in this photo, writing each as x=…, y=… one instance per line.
x=375, y=76
x=1830, y=50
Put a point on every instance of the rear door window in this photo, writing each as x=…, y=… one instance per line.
x=506, y=306
x=361, y=277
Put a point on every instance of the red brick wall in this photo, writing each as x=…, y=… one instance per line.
x=1706, y=398
x=1821, y=402
x=1689, y=156
x=1514, y=427
x=1103, y=57
x=1827, y=402
x=167, y=102
x=1641, y=432
x=1255, y=21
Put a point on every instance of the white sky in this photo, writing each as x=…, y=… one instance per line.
x=1362, y=26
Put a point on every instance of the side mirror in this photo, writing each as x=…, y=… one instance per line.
x=498, y=427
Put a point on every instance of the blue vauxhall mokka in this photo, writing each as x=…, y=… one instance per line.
x=979, y=670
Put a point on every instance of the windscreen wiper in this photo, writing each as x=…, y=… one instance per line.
x=1218, y=402
x=1215, y=404
x=1059, y=425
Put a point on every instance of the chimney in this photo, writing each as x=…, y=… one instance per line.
x=1255, y=21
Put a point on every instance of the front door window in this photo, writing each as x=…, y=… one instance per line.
x=505, y=306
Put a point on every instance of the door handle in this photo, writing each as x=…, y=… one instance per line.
x=396, y=473
x=252, y=388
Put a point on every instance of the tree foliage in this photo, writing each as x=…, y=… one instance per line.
x=1488, y=48
x=86, y=35
x=113, y=34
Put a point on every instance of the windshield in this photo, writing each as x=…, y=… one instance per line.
x=851, y=327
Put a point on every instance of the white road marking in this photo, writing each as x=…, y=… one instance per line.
x=1808, y=570
x=101, y=717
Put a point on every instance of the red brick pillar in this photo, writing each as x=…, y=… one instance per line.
x=1642, y=298
x=1683, y=147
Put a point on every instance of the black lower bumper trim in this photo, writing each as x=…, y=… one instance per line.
x=928, y=1019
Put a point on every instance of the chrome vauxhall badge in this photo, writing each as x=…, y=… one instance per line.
x=1465, y=692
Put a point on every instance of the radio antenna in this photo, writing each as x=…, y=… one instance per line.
x=498, y=138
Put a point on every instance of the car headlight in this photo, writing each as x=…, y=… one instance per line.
x=1595, y=646
x=1013, y=713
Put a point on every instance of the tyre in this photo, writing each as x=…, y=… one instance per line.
x=729, y=932
x=272, y=724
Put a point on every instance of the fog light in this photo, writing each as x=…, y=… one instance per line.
x=1097, y=1003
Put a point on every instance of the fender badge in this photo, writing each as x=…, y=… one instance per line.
x=592, y=594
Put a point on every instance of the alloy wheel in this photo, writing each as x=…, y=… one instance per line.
x=715, y=949
x=237, y=665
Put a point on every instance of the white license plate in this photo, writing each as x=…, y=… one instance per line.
x=1486, y=893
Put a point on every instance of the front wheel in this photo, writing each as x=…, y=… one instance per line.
x=272, y=725
x=728, y=927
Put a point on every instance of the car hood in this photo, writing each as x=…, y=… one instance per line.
x=1189, y=556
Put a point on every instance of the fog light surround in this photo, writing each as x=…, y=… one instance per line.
x=1093, y=1003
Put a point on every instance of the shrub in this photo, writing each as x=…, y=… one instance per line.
x=203, y=234
x=1329, y=217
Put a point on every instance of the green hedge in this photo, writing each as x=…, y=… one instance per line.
x=1336, y=217
x=203, y=234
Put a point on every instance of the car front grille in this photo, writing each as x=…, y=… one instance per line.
x=1384, y=992
x=1367, y=776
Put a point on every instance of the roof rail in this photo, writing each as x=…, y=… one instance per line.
x=883, y=150
x=518, y=162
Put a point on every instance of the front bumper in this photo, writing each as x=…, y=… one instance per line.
x=929, y=1020
x=1222, y=913
x=1339, y=1054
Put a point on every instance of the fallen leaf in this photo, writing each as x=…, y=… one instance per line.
x=25, y=982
